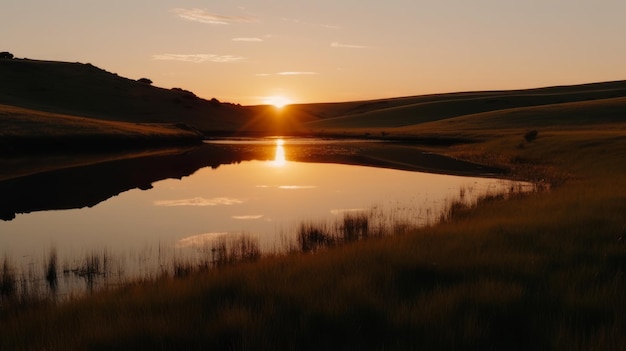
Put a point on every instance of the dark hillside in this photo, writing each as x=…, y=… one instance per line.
x=87, y=91
x=77, y=89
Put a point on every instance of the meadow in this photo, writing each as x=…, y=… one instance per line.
x=538, y=271
x=541, y=271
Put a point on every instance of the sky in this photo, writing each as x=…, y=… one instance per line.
x=251, y=52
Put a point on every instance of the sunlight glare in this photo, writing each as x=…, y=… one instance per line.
x=277, y=101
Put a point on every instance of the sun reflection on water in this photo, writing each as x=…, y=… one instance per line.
x=279, y=157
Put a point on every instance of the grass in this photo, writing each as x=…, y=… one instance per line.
x=541, y=271
x=24, y=130
x=85, y=90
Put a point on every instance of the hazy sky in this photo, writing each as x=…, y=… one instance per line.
x=327, y=50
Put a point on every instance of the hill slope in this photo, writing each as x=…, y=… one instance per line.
x=87, y=91
x=413, y=111
x=84, y=90
x=24, y=129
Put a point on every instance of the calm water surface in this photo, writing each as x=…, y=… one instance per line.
x=265, y=200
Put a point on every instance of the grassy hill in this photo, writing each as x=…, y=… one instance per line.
x=83, y=90
x=31, y=130
x=87, y=91
x=541, y=271
x=407, y=115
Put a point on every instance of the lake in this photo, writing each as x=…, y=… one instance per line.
x=143, y=215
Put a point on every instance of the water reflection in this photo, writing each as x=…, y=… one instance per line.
x=197, y=197
x=279, y=157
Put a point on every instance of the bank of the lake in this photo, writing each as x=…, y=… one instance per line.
x=71, y=229
x=543, y=271
x=27, y=131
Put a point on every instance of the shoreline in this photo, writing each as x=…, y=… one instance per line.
x=373, y=153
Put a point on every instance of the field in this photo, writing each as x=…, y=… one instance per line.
x=543, y=271
x=539, y=271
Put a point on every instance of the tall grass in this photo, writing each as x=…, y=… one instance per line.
x=8, y=281
x=541, y=271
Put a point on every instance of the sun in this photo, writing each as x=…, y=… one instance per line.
x=277, y=101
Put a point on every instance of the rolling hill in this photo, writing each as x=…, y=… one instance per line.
x=76, y=101
x=407, y=115
x=87, y=91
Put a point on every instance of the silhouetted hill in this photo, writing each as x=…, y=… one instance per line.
x=87, y=91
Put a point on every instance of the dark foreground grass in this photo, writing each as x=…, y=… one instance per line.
x=543, y=271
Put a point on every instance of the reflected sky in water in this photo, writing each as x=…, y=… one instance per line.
x=265, y=199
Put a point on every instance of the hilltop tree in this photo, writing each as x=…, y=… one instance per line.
x=144, y=80
x=531, y=135
x=6, y=55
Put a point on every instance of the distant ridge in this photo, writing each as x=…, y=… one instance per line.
x=85, y=91
x=412, y=111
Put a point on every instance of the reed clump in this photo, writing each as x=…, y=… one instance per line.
x=51, y=270
x=243, y=248
x=312, y=236
x=8, y=281
x=351, y=227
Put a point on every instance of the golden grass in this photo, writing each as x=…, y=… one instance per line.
x=24, y=131
x=21, y=122
x=478, y=110
x=541, y=271
x=87, y=91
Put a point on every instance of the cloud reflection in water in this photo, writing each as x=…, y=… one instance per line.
x=199, y=201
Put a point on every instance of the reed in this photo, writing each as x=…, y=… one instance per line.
x=51, y=272
x=8, y=280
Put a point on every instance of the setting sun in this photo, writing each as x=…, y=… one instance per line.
x=277, y=101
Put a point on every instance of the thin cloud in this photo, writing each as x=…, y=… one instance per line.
x=288, y=73
x=330, y=26
x=348, y=46
x=251, y=40
x=247, y=217
x=296, y=73
x=202, y=16
x=292, y=20
x=297, y=187
x=199, y=240
x=200, y=201
x=339, y=211
x=198, y=58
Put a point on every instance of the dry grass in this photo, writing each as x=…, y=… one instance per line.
x=473, y=112
x=85, y=90
x=543, y=271
x=21, y=122
x=23, y=130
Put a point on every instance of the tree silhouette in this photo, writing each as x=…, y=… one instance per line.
x=6, y=55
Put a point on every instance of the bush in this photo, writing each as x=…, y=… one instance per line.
x=531, y=135
x=144, y=80
x=6, y=55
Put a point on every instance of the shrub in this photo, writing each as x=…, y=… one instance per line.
x=144, y=80
x=6, y=55
x=531, y=135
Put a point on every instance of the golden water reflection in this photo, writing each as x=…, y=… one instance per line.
x=279, y=158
